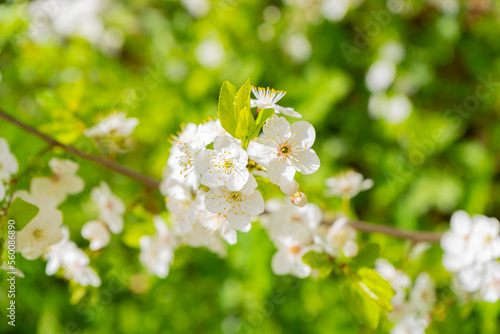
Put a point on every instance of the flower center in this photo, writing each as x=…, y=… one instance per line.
x=228, y=164
x=235, y=196
x=295, y=249
x=37, y=233
x=285, y=150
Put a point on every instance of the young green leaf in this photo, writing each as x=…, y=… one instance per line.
x=319, y=261
x=366, y=256
x=21, y=212
x=227, y=115
x=361, y=304
x=381, y=289
x=242, y=98
x=264, y=115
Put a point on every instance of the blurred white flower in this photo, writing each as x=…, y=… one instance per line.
x=335, y=10
x=393, y=51
x=157, y=251
x=8, y=163
x=341, y=239
x=490, y=290
x=380, y=75
x=210, y=53
x=41, y=232
x=423, y=295
x=63, y=182
x=115, y=125
x=97, y=233
x=197, y=8
x=288, y=258
x=268, y=98
x=111, y=208
x=184, y=206
x=347, y=184
x=200, y=237
x=398, y=280
x=298, y=47
x=394, y=110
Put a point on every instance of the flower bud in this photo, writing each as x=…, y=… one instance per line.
x=299, y=199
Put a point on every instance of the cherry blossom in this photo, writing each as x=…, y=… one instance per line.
x=115, y=125
x=268, y=98
x=63, y=182
x=288, y=258
x=347, y=185
x=8, y=163
x=285, y=149
x=111, y=208
x=490, y=289
x=341, y=239
x=200, y=237
x=184, y=206
x=157, y=251
x=209, y=130
x=73, y=261
x=225, y=165
x=237, y=206
x=43, y=230
x=398, y=280
x=97, y=233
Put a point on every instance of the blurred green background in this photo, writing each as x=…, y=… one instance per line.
x=63, y=64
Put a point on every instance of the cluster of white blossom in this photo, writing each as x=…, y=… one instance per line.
x=44, y=236
x=210, y=185
x=347, y=184
x=111, y=210
x=411, y=310
x=471, y=250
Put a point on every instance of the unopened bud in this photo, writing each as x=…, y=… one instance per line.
x=299, y=199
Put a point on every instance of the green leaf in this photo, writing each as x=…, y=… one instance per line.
x=242, y=98
x=246, y=125
x=264, y=115
x=381, y=289
x=361, y=304
x=21, y=212
x=320, y=262
x=227, y=115
x=368, y=297
x=366, y=256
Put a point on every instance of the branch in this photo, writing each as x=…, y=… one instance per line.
x=153, y=183
x=148, y=181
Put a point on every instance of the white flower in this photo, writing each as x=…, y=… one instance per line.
x=8, y=163
x=209, y=130
x=63, y=182
x=288, y=258
x=237, y=206
x=411, y=324
x=97, y=233
x=285, y=149
x=398, y=280
x=200, y=237
x=41, y=232
x=73, y=261
x=380, y=75
x=182, y=160
x=286, y=219
x=490, y=290
x=267, y=98
x=341, y=239
x=218, y=223
x=225, y=165
x=184, y=206
x=115, y=125
x=423, y=294
x=347, y=185
x=157, y=251
x=469, y=241
x=111, y=208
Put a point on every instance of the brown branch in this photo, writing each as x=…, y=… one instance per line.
x=149, y=181
x=153, y=183
x=396, y=232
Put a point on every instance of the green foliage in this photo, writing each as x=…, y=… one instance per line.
x=368, y=296
x=321, y=262
x=366, y=256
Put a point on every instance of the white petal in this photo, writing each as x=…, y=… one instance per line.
x=282, y=263
x=304, y=134
x=306, y=162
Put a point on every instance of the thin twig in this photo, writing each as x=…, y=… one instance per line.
x=149, y=181
x=153, y=183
